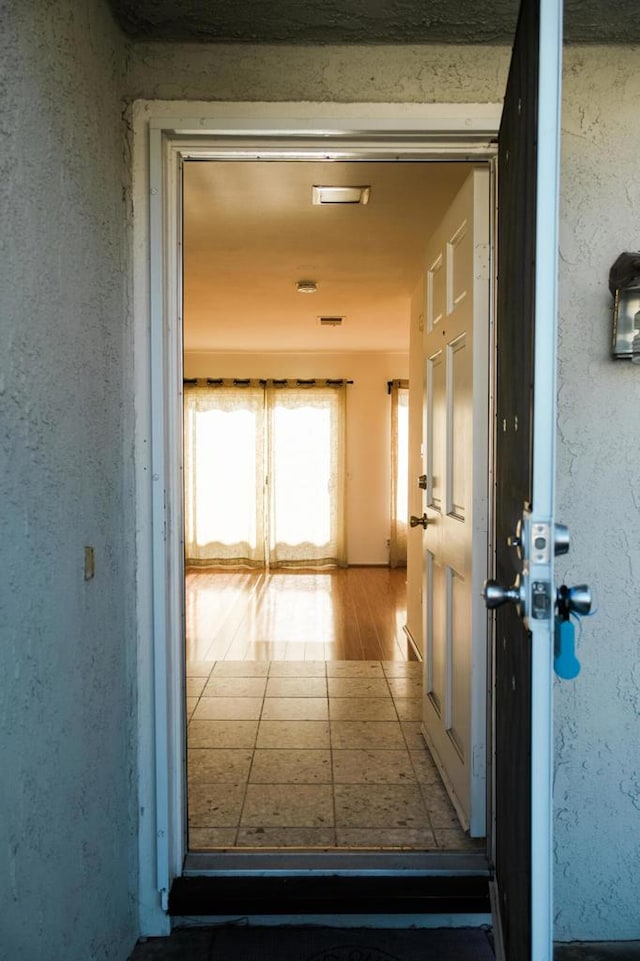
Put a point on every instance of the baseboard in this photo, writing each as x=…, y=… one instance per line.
x=413, y=644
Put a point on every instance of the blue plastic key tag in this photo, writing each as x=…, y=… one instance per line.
x=565, y=663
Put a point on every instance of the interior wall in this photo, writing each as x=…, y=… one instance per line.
x=67, y=795
x=368, y=428
x=597, y=716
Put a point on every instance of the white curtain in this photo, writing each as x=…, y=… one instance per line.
x=223, y=466
x=399, y=390
x=264, y=475
x=306, y=476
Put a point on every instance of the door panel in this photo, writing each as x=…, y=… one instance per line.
x=436, y=453
x=455, y=541
x=524, y=444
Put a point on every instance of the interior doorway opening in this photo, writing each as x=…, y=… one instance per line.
x=305, y=730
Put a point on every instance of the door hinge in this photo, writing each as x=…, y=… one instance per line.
x=164, y=899
x=479, y=761
x=164, y=514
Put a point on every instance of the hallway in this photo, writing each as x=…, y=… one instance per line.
x=291, y=746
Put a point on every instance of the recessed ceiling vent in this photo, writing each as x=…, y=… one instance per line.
x=341, y=195
x=331, y=321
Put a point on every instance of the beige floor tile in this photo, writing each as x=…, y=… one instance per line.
x=195, y=686
x=297, y=687
x=199, y=668
x=409, y=708
x=372, y=767
x=354, y=669
x=228, y=709
x=361, y=709
x=241, y=668
x=280, y=805
x=358, y=687
x=215, y=805
x=295, y=709
x=260, y=837
x=217, y=734
x=402, y=668
x=235, y=686
x=204, y=839
x=441, y=811
x=291, y=767
x=297, y=669
x=412, y=731
x=379, y=806
x=190, y=706
x=379, y=735
x=407, y=686
x=456, y=839
x=218, y=765
x=412, y=839
x=425, y=767
x=293, y=734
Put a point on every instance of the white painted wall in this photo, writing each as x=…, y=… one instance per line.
x=597, y=716
x=368, y=427
x=67, y=798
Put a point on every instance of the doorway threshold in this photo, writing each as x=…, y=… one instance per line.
x=345, y=863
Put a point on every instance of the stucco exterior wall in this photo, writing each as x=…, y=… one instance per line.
x=339, y=74
x=597, y=785
x=67, y=787
x=597, y=791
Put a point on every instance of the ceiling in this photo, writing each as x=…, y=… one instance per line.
x=251, y=233
x=364, y=21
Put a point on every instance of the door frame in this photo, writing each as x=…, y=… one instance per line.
x=164, y=134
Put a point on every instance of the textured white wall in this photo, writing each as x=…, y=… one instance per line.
x=341, y=74
x=67, y=801
x=598, y=729
x=597, y=786
x=368, y=428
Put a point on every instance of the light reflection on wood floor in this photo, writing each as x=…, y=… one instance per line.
x=352, y=614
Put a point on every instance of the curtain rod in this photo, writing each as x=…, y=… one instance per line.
x=403, y=384
x=272, y=382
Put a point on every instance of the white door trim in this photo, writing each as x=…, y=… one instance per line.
x=164, y=133
x=544, y=437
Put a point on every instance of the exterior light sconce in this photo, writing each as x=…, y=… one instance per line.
x=624, y=284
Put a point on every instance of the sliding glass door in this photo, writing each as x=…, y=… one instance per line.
x=264, y=474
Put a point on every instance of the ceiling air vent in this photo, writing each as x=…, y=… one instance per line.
x=340, y=195
x=331, y=321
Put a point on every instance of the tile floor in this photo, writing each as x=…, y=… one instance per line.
x=313, y=754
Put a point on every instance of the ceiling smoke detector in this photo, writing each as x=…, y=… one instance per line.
x=341, y=195
x=306, y=286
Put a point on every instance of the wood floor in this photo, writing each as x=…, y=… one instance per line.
x=352, y=614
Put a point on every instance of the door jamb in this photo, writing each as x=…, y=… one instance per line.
x=163, y=134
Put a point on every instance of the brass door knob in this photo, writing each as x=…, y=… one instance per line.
x=419, y=521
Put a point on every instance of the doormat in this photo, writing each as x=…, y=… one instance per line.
x=235, y=943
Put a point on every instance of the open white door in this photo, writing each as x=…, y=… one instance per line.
x=455, y=539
